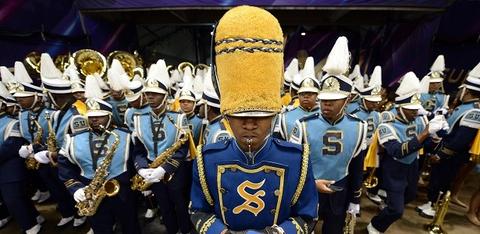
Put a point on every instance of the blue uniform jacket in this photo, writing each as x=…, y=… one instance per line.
x=237, y=192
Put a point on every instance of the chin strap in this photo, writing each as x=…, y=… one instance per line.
x=343, y=108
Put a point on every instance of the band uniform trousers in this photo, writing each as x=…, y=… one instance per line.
x=121, y=209
x=332, y=209
x=66, y=204
x=400, y=183
x=173, y=202
x=19, y=205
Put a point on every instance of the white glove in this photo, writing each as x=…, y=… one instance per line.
x=353, y=208
x=25, y=151
x=156, y=175
x=79, y=195
x=445, y=125
x=422, y=111
x=441, y=111
x=145, y=172
x=146, y=193
x=42, y=157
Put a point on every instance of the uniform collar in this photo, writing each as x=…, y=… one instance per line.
x=336, y=121
x=252, y=158
x=314, y=108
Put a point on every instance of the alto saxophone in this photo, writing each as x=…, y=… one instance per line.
x=138, y=182
x=99, y=187
x=51, y=139
x=30, y=161
x=350, y=222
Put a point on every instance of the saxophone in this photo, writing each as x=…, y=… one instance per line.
x=99, y=187
x=350, y=221
x=30, y=161
x=441, y=208
x=138, y=182
x=51, y=139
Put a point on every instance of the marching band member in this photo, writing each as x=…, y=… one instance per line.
x=117, y=80
x=434, y=98
x=370, y=98
x=288, y=75
x=307, y=95
x=218, y=128
x=401, y=141
x=13, y=174
x=453, y=150
x=63, y=120
x=188, y=100
x=30, y=98
x=337, y=143
x=156, y=132
x=357, y=80
x=93, y=160
x=241, y=183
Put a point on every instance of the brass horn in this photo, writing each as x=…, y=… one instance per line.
x=199, y=66
x=182, y=66
x=130, y=62
x=62, y=61
x=32, y=62
x=90, y=62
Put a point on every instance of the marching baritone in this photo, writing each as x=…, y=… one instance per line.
x=244, y=183
x=96, y=167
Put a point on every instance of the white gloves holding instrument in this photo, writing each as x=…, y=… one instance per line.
x=25, y=151
x=152, y=175
x=42, y=157
x=79, y=195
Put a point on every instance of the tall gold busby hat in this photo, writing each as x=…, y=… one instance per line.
x=249, y=62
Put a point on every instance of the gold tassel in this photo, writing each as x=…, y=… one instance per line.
x=371, y=156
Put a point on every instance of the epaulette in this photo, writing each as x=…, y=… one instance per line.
x=309, y=117
x=216, y=146
x=286, y=144
x=78, y=123
x=350, y=116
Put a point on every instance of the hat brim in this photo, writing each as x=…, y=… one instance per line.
x=23, y=94
x=411, y=106
x=154, y=90
x=373, y=98
x=253, y=114
x=97, y=113
x=308, y=90
x=332, y=96
x=133, y=97
x=187, y=98
x=435, y=80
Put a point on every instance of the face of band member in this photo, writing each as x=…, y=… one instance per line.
x=95, y=122
x=79, y=96
x=371, y=106
x=435, y=87
x=187, y=106
x=307, y=100
x=202, y=110
x=155, y=99
x=25, y=102
x=139, y=102
x=62, y=99
x=331, y=108
x=410, y=115
x=250, y=132
x=117, y=95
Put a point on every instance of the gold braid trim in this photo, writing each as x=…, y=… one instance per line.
x=201, y=175
x=303, y=173
x=297, y=226
x=207, y=225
